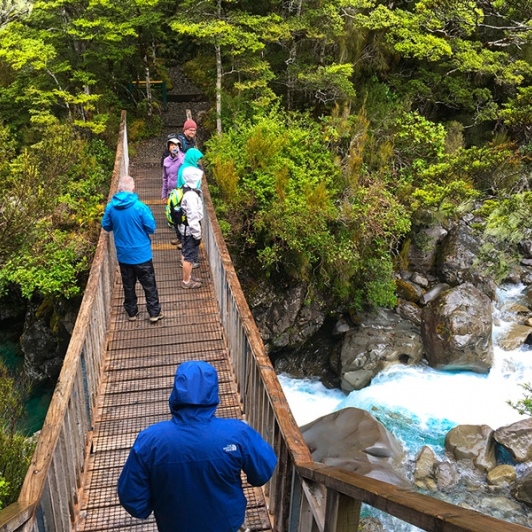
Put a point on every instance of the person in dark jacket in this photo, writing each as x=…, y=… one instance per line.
x=132, y=223
x=187, y=470
x=187, y=137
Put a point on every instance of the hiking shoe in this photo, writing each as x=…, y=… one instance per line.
x=195, y=265
x=191, y=284
x=155, y=319
x=174, y=242
x=197, y=279
x=134, y=317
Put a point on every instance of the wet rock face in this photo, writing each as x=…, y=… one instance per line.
x=42, y=360
x=380, y=339
x=354, y=440
x=472, y=442
x=456, y=329
x=12, y=305
x=45, y=338
x=457, y=259
x=517, y=438
x=422, y=250
x=457, y=253
x=286, y=319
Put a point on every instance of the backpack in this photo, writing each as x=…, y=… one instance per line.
x=175, y=215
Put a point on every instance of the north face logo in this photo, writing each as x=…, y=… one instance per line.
x=231, y=448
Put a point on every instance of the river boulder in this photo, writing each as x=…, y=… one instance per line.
x=381, y=338
x=423, y=246
x=425, y=469
x=515, y=336
x=456, y=330
x=522, y=489
x=501, y=476
x=472, y=442
x=457, y=259
x=354, y=440
x=517, y=438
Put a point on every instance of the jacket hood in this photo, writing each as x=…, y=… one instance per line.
x=123, y=200
x=195, y=391
x=191, y=178
x=192, y=157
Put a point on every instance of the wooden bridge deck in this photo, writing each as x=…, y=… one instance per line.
x=140, y=363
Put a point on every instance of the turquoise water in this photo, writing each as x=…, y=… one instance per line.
x=39, y=400
x=419, y=405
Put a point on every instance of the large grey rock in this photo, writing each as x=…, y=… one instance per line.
x=423, y=246
x=409, y=311
x=472, y=442
x=45, y=338
x=354, y=440
x=382, y=338
x=43, y=356
x=456, y=330
x=446, y=474
x=457, y=253
x=285, y=318
x=525, y=247
x=517, y=438
x=457, y=259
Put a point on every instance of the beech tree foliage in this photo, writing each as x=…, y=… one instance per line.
x=410, y=110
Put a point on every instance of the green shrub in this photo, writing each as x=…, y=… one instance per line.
x=15, y=448
x=292, y=210
x=51, y=198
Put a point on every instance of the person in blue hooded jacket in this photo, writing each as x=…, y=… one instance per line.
x=132, y=223
x=187, y=470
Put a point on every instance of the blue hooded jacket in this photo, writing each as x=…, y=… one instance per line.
x=131, y=222
x=187, y=470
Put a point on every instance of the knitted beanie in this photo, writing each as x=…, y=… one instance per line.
x=189, y=124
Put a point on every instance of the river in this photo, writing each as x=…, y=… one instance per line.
x=419, y=405
x=36, y=405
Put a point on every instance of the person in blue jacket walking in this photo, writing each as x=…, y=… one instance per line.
x=187, y=470
x=132, y=223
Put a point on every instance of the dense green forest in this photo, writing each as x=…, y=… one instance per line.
x=341, y=125
x=337, y=126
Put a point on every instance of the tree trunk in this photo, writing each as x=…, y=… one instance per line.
x=291, y=79
x=148, y=87
x=218, y=89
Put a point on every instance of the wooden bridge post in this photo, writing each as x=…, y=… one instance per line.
x=342, y=513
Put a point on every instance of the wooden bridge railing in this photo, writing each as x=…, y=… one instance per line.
x=303, y=496
x=49, y=496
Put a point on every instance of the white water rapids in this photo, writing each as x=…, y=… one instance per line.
x=419, y=405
